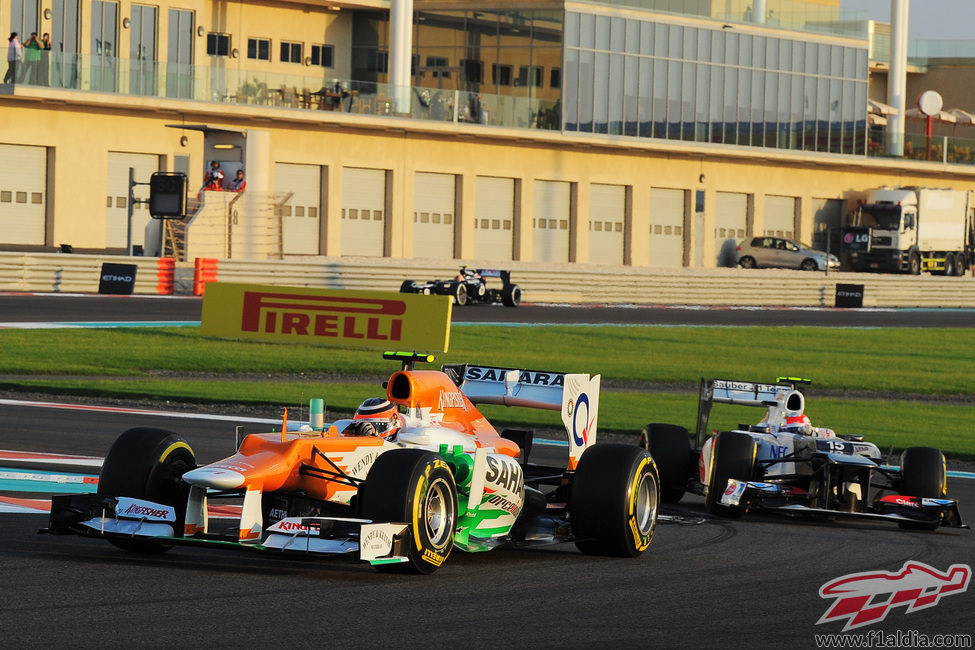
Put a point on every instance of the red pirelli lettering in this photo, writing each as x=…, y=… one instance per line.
x=256, y=303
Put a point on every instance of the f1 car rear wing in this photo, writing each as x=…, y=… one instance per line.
x=575, y=395
x=776, y=397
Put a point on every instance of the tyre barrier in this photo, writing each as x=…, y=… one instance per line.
x=204, y=270
x=166, y=276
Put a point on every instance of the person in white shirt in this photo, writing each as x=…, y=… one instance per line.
x=15, y=54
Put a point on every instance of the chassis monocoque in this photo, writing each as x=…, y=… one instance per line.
x=795, y=468
x=445, y=479
x=469, y=287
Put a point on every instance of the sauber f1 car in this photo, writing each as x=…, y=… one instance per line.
x=785, y=464
x=469, y=286
x=408, y=478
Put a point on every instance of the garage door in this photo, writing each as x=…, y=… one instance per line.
x=299, y=188
x=433, y=215
x=607, y=214
x=363, y=211
x=23, y=194
x=494, y=216
x=550, y=222
x=827, y=213
x=116, y=210
x=666, y=227
x=780, y=216
x=730, y=221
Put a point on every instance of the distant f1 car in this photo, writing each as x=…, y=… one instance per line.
x=469, y=287
x=408, y=478
x=785, y=464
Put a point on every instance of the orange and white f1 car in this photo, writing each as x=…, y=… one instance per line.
x=399, y=485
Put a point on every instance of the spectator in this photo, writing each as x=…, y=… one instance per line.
x=15, y=53
x=32, y=59
x=214, y=178
x=45, y=71
x=238, y=184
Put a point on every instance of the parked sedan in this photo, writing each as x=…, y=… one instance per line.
x=785, y=253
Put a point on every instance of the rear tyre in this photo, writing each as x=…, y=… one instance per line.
x=511, y=295
x=407, y=286
x=148, y=463
x=460, y=293
x=808, y=264
x=413, y=486
x=923, y=474
x=961, y=264
x=747, y=262
x=949, y=264
x=670, y=446
x=614, y=500
x=732, y=457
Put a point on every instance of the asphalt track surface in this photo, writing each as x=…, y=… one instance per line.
x=85, y=308
x=704, y=583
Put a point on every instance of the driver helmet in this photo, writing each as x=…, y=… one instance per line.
x=381, y=414
x=798, y=423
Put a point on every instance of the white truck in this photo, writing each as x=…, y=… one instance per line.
x=912, y=229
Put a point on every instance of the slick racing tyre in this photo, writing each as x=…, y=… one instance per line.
x=148, y=463
x=408, y=286
x=614, y=500
x=670, y=446
x=732, y=457
x=511, y=295
x=459, y=292
x=923, y=474
x=416, y=487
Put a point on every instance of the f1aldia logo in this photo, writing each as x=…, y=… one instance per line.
x=866, y=598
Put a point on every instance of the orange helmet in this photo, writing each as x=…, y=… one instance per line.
x=376, y=416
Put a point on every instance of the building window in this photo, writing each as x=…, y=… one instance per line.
x=473, y=70
x=377, y=61
x=259, y=48
x=218, y=44
x=322, y=55
x=529, y=76
x=439, y=67
x=501, y=74
x=291, y=52
x=555, y=78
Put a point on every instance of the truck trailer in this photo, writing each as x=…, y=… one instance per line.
x=912, y=229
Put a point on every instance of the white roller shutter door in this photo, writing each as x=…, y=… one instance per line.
x=666, y=227
x=550, y=235
x=730, y=222
x=433, y=215
x=607, y=215
x=363, y=211
x=780, y=216
x=116, y=204
x=494, y=216
x=301, y=211
x=23, y=194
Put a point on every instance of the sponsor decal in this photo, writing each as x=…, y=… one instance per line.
x=506, y=473
x=900, y=500
x=746, y=386
x=778, y=451
x=501, y=503
x=140, y=510
x=479, y=373
x=732, y=493
x=327, y=317
x=364, y=463
x=451, y=400
x=434, y=558
x=376, y=541
x=866, y=598
x=580, y=434
x=290, y=526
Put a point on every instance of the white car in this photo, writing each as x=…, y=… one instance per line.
x=784, y=253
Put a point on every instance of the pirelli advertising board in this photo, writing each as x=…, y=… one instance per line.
x=365, y=319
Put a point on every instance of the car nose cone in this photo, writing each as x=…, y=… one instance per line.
x=214, y=477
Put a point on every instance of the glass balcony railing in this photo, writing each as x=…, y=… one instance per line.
x=220, y=83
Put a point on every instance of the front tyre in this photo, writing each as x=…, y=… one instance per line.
x=413, y=486
x=808, y=264
x=614, y=500
x=732, y=457
x=923, y=474
x=459, y=293
x=148, y=463
x=914, y=264
x=408, y=286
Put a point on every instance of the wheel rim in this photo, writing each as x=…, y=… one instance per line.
x=645, y=504
x=437, y=512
